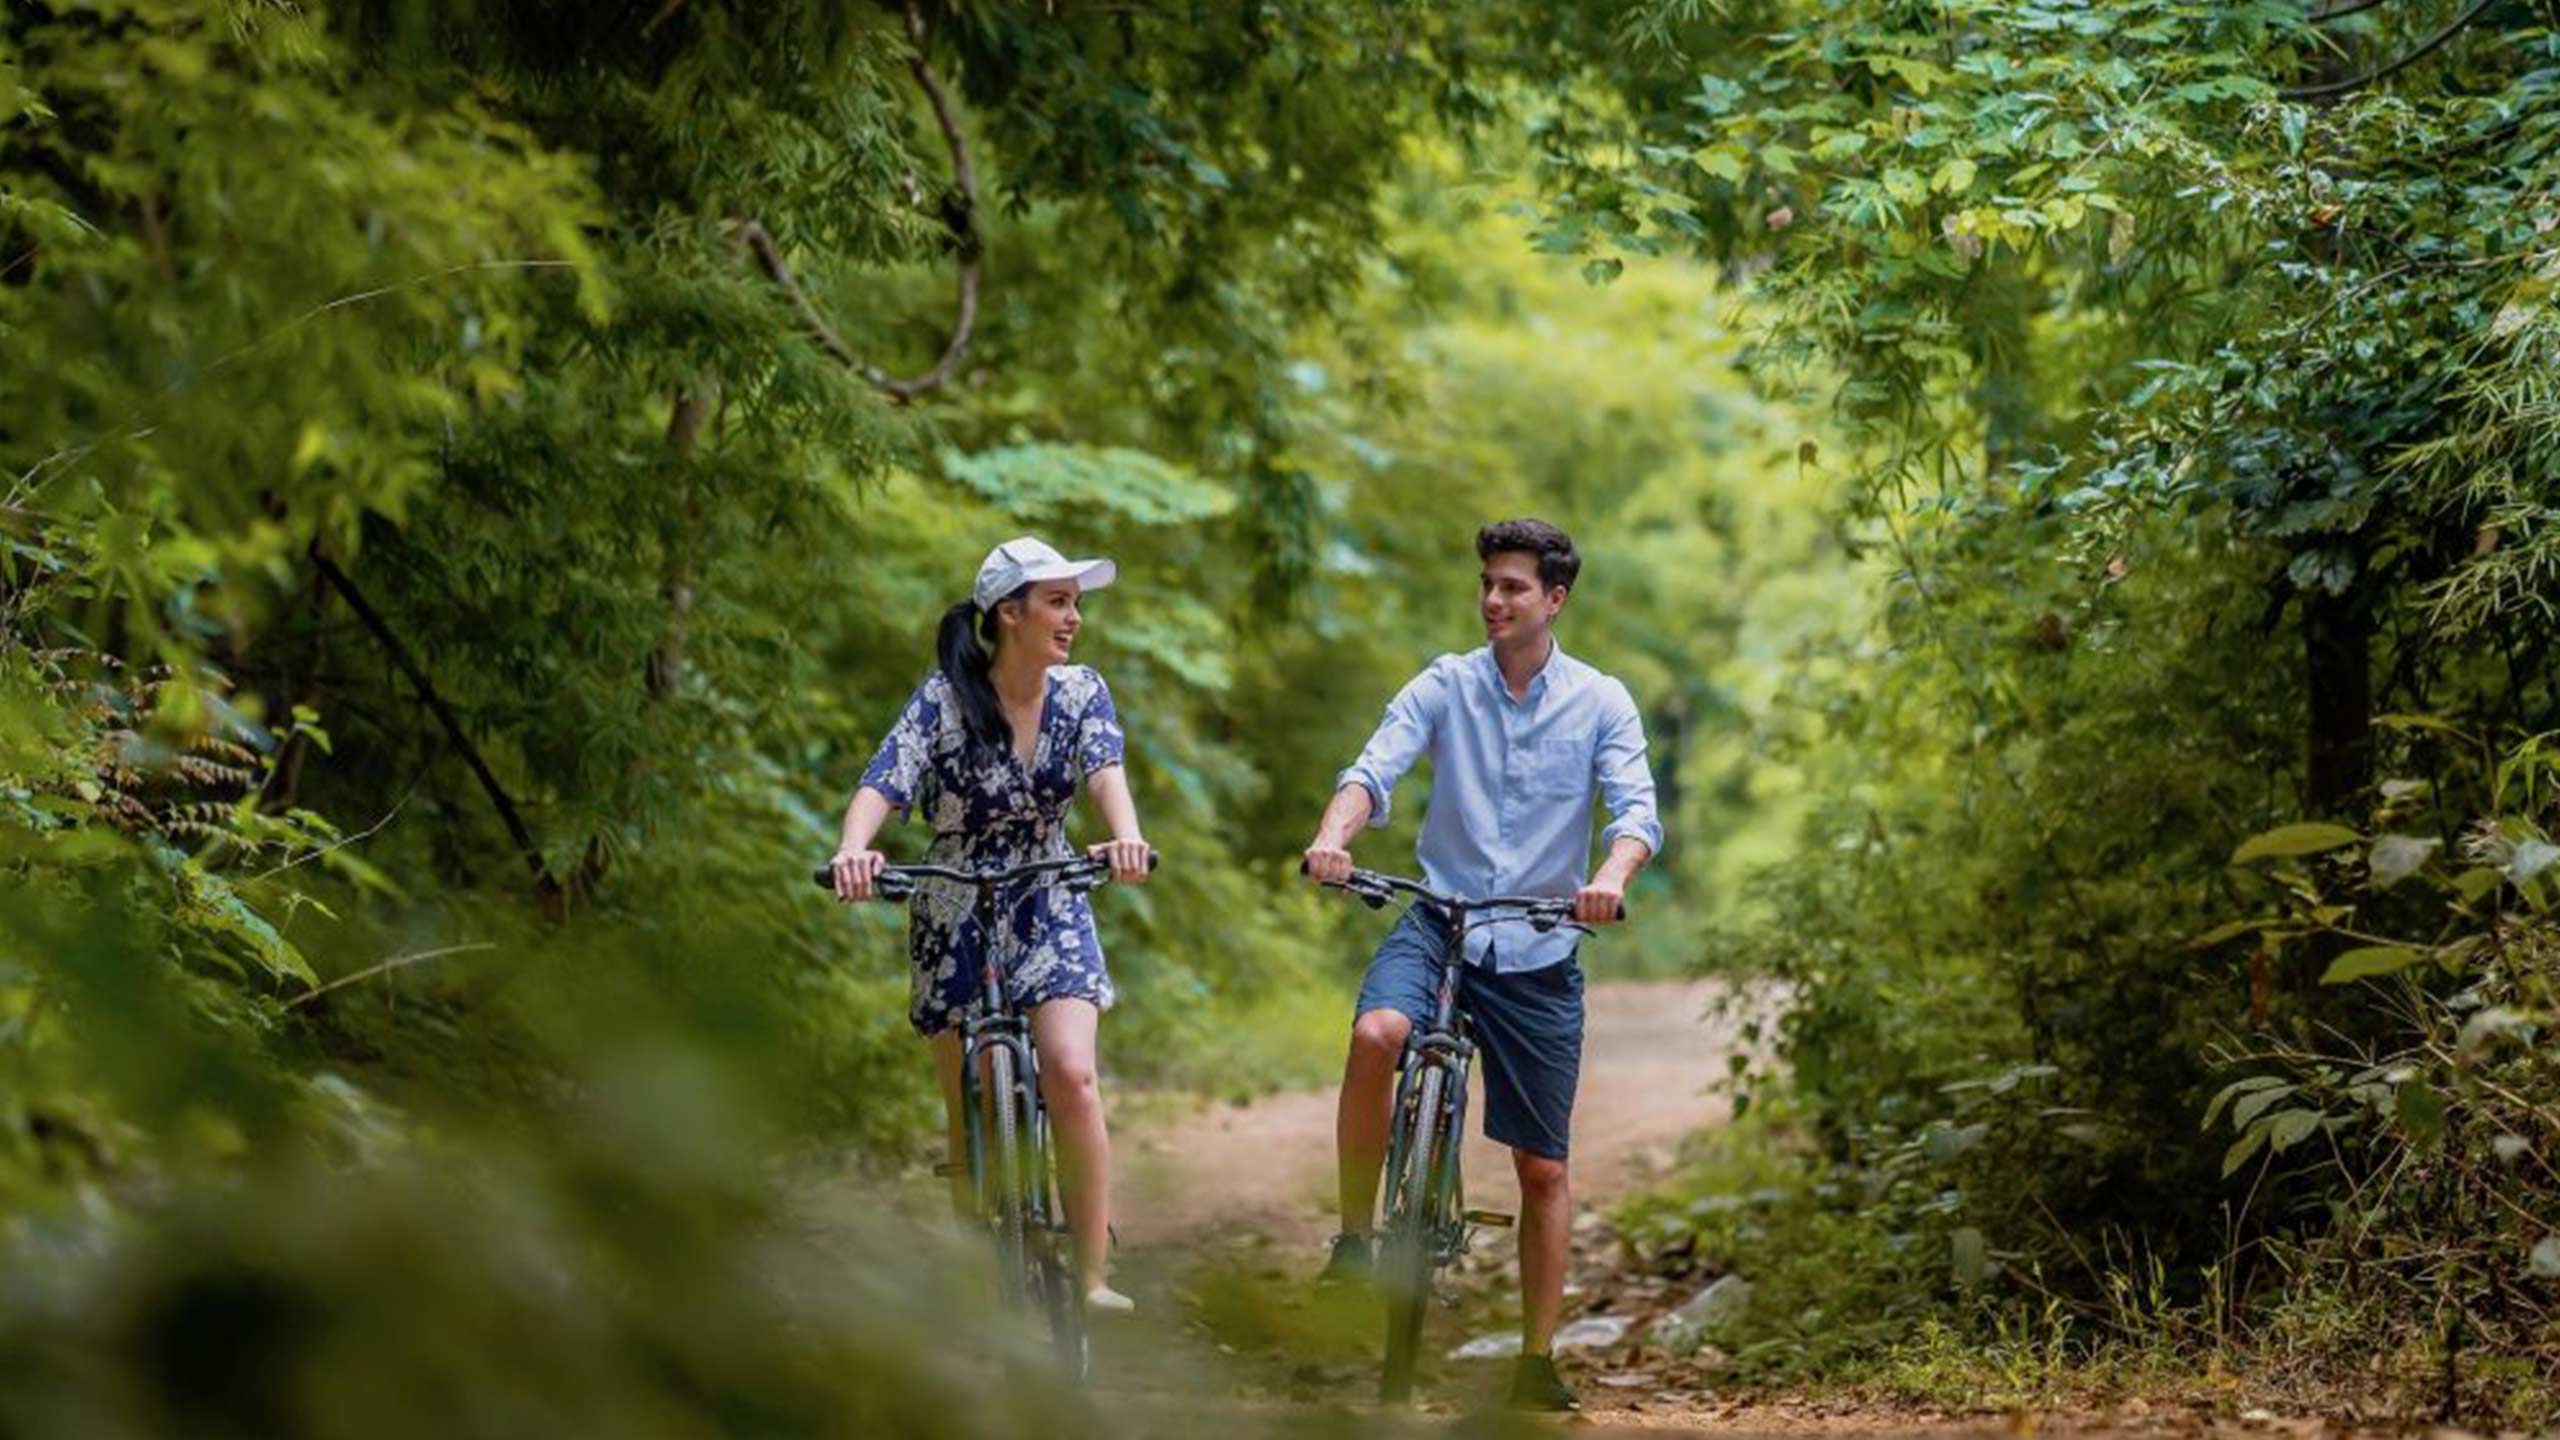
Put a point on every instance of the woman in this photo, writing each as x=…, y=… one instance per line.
x=991, y=745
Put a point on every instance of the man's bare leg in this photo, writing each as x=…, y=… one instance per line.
x=1546, y=1244
x=1360, y=1123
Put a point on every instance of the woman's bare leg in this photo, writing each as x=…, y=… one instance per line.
x=1065, y=1031
x=946, y=1068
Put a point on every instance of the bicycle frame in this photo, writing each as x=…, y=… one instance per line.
x=1426, y=1223
x=1012, y=1175
x=1445, y=1043
x=991, y=1026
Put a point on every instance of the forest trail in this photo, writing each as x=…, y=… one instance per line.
x=1263, y=1172
x=1223, y=1212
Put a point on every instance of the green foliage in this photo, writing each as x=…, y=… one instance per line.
x=2435, y=1125
x=464, y=529
x=473, y=422
x=2165, y=366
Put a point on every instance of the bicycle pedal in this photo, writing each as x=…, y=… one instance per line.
x=1494, y=1218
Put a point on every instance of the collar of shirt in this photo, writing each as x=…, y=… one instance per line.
x=1553, y=667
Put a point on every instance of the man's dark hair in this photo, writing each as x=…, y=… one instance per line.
x=1559, y=564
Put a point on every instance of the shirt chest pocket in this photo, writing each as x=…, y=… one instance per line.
x=1556, y=769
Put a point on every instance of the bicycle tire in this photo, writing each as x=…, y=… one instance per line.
x=1062, y=1300
x=1405, y=1258
x=1006, y=1215
x=1060, y=1286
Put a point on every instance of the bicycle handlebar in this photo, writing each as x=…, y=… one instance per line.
x=1376, y=889
x=897, y=882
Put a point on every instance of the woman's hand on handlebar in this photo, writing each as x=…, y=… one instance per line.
x=857, y=874
x=1130, y=859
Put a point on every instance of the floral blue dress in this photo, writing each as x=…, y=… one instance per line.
x=986, y=815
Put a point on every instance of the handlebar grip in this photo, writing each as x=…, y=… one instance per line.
x=886, y=886
x=1155, y=858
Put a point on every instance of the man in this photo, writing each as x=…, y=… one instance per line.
x=1522, y=738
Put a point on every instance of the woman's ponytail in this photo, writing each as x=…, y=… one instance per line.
x=961, y=646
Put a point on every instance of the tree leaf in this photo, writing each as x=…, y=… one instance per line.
x=2531, y=858
x=2289, y=1128
x=2475, y=882
x=2308, y=837
x=1041, y=481
x=2240, y=1151
x=1724, y=162
x=2397, y=857
x=1946, y=1142
x=2243, y=1086
x=2251, y=1106
x=2233, y=930
x=2370, y=960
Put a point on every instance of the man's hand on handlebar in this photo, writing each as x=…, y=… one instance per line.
x=1326, y=864
x=1601, y=902
x=857, y=873
x=1130, y=860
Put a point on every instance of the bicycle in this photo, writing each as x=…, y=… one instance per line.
x=1015, y=1179
x=1427, y=1224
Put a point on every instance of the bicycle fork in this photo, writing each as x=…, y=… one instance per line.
x=1433, y=1081
x=1005, y=1127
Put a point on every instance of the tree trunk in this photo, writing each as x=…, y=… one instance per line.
x=684, y=430
x=2337, y=633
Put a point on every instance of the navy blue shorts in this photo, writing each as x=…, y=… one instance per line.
x=1528, y=1029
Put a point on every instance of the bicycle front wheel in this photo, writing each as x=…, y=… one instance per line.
x=1062, y=1302
x=1055, y=1279
x=1004, y=1209
x=1406, y=1248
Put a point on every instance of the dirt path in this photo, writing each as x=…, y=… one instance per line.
x=1266, y=1169
x=1224, y=1210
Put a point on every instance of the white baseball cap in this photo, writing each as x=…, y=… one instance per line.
x=1027, y=559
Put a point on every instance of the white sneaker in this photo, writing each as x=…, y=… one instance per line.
x=1108, y=1301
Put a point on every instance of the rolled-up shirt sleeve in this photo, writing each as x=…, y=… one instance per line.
x=1403, y=737
x=1626, y=780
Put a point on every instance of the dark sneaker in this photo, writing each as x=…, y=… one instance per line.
x=1535, y=1385
x=1351, y=1262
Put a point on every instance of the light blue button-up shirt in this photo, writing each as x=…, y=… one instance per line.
x=1512, y=785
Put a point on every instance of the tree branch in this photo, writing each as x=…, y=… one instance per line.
x=2425, y=47
x=545, y=885
x=769, y=256
x=397, y=962
x=959, y=219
